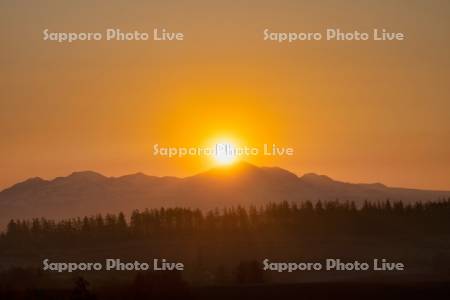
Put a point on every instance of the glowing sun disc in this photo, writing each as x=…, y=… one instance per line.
x=225, y=153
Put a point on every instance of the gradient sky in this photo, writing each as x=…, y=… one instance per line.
x=355, y=111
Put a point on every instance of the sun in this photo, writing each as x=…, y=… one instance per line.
x=225, y=153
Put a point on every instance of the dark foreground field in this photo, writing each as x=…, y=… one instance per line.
x=333, y=290
x=223, y=253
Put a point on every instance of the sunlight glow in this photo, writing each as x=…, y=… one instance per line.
x=225, y=153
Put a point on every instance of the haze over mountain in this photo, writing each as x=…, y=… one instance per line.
x=87, y=193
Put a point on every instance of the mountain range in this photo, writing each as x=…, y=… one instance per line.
x=87, y=192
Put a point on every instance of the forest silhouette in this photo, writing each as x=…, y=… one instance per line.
x=321, y=218
x=223, y=249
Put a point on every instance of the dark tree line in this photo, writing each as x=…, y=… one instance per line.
x=383, y=218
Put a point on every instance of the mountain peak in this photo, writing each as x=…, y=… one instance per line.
x=34, y=180
x=83, y=176
x=27, y=184
x=315, y=178
x=234, y=170
x=245, y=172
x=240, y=165
x=86, y=174
x=139, y=176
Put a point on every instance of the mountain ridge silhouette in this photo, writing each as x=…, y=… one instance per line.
x=88, y=192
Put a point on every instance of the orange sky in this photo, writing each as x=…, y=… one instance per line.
x=358, y=112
